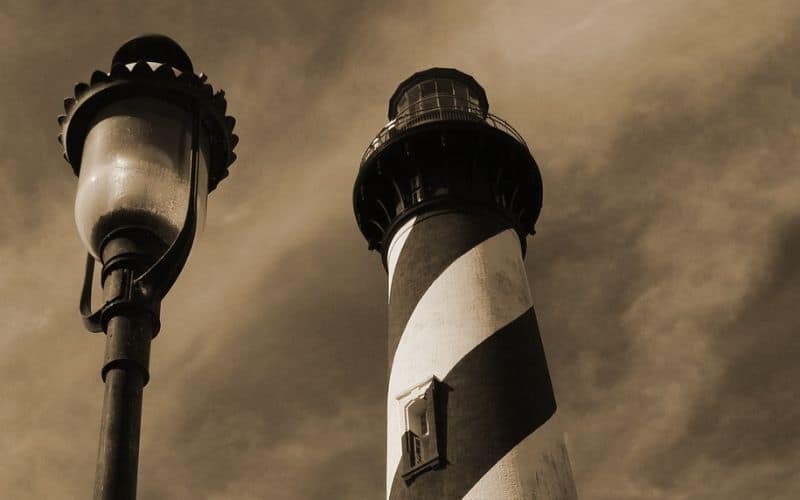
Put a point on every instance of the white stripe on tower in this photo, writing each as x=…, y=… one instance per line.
x=537, y=468
x=461, y=311
x=396, y=247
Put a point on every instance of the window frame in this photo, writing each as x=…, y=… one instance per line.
x=421, y=451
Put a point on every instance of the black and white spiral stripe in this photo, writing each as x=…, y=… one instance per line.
x=460, y=310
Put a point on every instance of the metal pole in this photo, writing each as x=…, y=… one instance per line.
x=131, y=320
x=118, y=457
x=118, y=454
x=130, y=326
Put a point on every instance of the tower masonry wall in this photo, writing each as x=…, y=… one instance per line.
x=461, y=313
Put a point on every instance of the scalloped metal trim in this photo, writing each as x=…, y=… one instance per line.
x=140, y=72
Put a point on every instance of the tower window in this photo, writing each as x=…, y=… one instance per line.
x=421, y=448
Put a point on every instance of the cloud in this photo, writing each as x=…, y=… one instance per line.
x=644, y=274
x=662, y=269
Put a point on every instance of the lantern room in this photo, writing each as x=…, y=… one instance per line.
x=438, y=89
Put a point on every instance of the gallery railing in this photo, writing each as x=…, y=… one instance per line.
x=410, y=119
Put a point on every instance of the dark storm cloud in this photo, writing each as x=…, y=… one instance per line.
x=750, y=415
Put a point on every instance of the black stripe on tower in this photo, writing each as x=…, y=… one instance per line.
x=427, y=252
x=497, y=395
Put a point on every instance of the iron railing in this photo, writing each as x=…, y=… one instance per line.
x=411, y=119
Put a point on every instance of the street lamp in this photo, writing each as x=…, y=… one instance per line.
x=148, y=141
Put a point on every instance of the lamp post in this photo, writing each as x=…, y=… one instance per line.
x=148, y=141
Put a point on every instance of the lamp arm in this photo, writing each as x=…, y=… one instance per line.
x=91, y=320
x=156, y=281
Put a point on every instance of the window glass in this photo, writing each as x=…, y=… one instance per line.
x=428, y=87
x=415, y=417
x=402, y=104
x=474, y=104
x=461, y=91
x=429, y=102
x=447, y=101
x=461, y=95
x=444, y=86
x=413, y=94
x=428, y=91
x=413, y=98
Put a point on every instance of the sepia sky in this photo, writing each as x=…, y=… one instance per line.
x=665, y=270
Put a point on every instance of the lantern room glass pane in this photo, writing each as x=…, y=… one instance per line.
x=444, y=86
x=428, y=91
x=461, y=94
x=413, y=98
x=444, y=92
x=460, y=90
x=135, y=171
x=402, y=104
x=447, y=101
x=474, y=104
x=429, y=103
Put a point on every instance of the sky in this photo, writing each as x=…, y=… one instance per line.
x=664, y=271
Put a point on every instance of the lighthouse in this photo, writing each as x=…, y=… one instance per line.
x=448, y=193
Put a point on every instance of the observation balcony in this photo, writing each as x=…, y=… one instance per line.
x=411, y=119
x=438, y=94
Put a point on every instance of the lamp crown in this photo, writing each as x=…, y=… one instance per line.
x=153, y=48
x=151, y=65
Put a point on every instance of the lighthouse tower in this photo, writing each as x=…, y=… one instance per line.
x=448, y=193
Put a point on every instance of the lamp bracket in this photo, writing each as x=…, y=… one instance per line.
x=92, y=320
